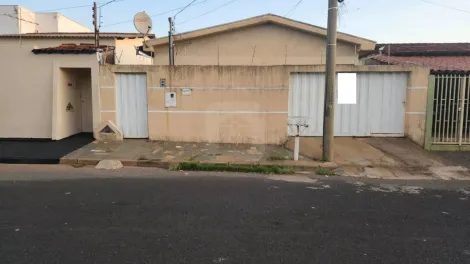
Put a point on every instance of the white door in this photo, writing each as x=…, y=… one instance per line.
x=379, y=108
x=86, y=105
x=131, y=105
x=387, y=104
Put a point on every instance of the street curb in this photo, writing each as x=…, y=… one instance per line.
x=29, y=161
x=166, y=164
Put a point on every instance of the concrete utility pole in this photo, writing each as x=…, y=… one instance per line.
x=95, y=23
x=329, y=110
x=170, y=43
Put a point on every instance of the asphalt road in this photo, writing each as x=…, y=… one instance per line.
x=100, y=217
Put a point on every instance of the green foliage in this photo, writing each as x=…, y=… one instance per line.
x=322, y=171
x=264, y=169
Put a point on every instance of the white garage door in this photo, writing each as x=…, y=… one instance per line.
x=379, y=108
x=131, y=105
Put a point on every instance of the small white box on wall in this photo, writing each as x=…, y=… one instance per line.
x=170, y=99
x=186, y=91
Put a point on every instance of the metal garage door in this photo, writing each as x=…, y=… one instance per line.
x=131, y=105
x=380, y=107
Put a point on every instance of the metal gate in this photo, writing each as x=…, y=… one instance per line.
x=131, y=105
x=450, y=109
x=379, y=110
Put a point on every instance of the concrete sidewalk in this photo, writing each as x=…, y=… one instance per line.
x=385, y=158
x=161, y=154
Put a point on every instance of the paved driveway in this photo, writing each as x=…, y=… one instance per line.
x=40, y=151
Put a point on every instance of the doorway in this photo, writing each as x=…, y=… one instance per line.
x=74, y=102
x=131, y=104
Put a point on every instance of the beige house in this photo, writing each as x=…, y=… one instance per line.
x=262, y=40
x=258, y=104
x=46, y=88
x=52, y=90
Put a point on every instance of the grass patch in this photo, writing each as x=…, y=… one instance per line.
x=275, y=157
x=322, y=171
x=77, y=165
x=264, y=169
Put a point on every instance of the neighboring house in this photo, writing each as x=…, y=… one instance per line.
x=436, y=56
x=36, y=67
x=448, y=99
x=16, y=19
x=261, y=40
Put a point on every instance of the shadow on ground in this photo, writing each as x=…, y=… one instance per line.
x=27, y=151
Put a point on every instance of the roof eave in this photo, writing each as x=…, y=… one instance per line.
x=365, y=44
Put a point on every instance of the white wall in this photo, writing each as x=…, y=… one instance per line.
x=8, y=25
x=126, y=54
x=47, y=22
x=14, y=24
x=26, y=88
x=66, y=24
x=28, y=24
x=35, y=22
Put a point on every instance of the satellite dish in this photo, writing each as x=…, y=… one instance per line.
x=143, y=23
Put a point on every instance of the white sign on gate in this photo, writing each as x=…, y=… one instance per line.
x=347, y=88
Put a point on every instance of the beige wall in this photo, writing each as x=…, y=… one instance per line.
x=266, y=44
x=126, y=54
x=237, y=104
x=27, y=82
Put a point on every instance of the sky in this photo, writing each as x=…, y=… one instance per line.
x=384, y=21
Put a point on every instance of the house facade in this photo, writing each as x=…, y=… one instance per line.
x=448, y=112
x=257, y=104
x=67, y=92
x=262, y=40
x=34, y=67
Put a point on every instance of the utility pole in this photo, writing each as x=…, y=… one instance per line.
x=95, y=23
x=171, y=54
x=329, y=110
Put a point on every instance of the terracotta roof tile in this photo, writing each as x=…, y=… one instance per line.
x=69, y=48
x=417, y=49
x=436, y=63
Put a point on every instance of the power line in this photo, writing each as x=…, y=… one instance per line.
x=293, y=8
x=101, y=6
x=446, y=6
x=159, y=14
x=63, y=8
x=14, y=17
x=184, y=8
x=110, y=2
x=208, y=12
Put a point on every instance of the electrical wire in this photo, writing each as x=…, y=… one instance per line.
x=446, y=6
x=208, y=12
x=293, y=8
x=159, y=14
x=17, y=18
x=192, y=2
x=101, y=6
x=63, y=8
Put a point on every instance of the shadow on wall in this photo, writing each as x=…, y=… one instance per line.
x=74, y=102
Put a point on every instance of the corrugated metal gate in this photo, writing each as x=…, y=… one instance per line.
x=131, y=104
x=450, y=120
x=380, y=107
